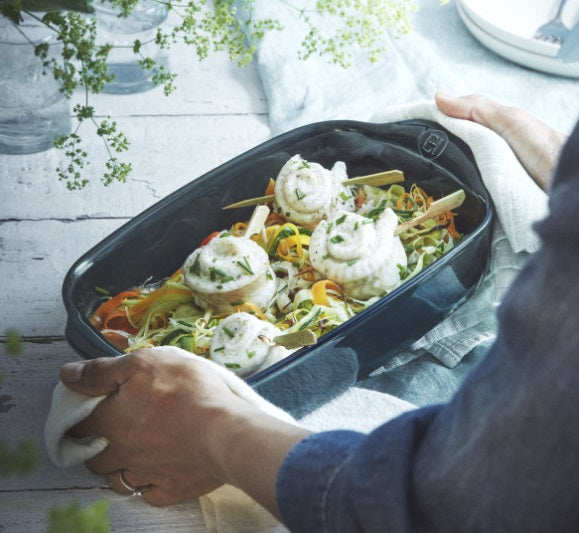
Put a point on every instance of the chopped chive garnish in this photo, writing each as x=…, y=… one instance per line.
x=330, y=226
x=229, y=332
x=308, y=322
x=375, y=213
x=250, y=354
x=214, y=273
x=244, y=263
x=356, y=226
x=232, y=365
x=352, y=262
x=344, y=196
x=336, y=239
x=341, y=219
x=102, y=291
x=304, y=164
x=300, y=195
x=195, y=268
x=220, y=349
x=269, y=275
x=225, y=234
x=281, y=289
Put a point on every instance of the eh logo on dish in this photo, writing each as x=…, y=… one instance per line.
x=432, y=143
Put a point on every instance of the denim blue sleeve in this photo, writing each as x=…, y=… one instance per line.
x=503, y=454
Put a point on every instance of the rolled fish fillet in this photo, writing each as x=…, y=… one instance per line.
x=360, y=254
x=243, y=343
x=229, y=271
x=306, y=192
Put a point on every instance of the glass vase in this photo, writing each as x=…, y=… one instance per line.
x=33, y=110
x=122, y=32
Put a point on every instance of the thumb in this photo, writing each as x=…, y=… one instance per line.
x=94, y=377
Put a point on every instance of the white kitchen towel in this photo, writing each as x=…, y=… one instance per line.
x=438, y=53
x=414, y=68
x=519, y=203
x=226, y=509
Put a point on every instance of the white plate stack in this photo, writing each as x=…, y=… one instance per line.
x=507, y=27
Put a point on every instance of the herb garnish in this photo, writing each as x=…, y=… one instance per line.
x=244, y=263
x=308, y=322
x=195, y=268
x=374, y=214
x=215, y=273
x=230, y=333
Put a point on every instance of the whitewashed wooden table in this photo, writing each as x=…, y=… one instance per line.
x=217, y=112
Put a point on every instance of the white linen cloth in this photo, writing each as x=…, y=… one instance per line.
x=226, y=509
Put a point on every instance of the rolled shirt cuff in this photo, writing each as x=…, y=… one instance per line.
x=306, y=475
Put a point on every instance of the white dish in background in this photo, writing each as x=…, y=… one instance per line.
x=516, y=21
x=526, y=54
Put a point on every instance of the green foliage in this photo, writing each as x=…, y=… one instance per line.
x=359, y=23
x=77, y=158
x=13, y=9
x=21, y=461
x=228, y=26
x=12, y=342
x=74, y=519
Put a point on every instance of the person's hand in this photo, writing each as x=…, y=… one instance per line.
x=156, y=418
x=536, y=144
x=176, y=428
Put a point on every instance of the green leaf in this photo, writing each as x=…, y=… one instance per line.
x=13, y=343
x=74, y=519
x=21, y=461
x=81, y=6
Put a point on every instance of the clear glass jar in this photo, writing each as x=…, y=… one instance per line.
x=33, y=110
x=122, y=32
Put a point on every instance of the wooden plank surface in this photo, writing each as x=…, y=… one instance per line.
x=217, y=112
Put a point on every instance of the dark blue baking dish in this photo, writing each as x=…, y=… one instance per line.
x=155, y=243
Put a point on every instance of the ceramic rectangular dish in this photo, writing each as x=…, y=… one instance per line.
x=156, y=242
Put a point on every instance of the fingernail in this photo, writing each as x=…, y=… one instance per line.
x=71, y=372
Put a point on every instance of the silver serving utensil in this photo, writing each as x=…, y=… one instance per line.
x=569, y=51
x=553, y=31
